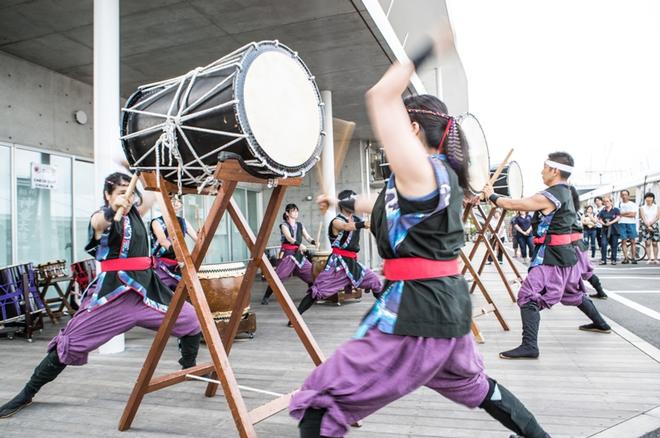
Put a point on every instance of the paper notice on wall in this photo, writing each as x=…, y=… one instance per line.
x=43, y=176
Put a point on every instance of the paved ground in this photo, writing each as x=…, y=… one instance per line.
x=583, y=385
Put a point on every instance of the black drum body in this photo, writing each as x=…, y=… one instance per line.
x=510, y=181
x=259, y=104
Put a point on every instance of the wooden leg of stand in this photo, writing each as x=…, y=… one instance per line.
x=476, y=333
x=205, y=237
x=477, y=280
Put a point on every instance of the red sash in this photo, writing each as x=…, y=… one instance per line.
x=345, y=253
x=417, y=268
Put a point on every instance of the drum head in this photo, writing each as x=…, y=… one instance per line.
x=279, y=108
x=479, y=156
x=515, y=180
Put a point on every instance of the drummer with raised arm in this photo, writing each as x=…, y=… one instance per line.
x=554, y=275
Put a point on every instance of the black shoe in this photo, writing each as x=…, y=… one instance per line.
x=595, y=328
x=603, y=262
x=634, y=262
x=598, y=296
x=264, y=301
x=189, y=347
x=613, y=263
x=598, y=323
x=14, y=405
x=529, y=349
x=624, y=262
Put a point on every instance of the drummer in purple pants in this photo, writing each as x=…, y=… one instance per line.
x=127, y=293
x=342, y=270
x=418, y=332
x=165, y=264
x=293, y=262
x=554, y=276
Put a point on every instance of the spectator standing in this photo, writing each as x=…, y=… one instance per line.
x=589, y=222
x=628, y=227
x=649, y=215
x=599, y=227
x=609, y=218
x=523, y=225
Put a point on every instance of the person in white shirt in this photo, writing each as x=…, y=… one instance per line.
x=649, y=215
x=628, y=227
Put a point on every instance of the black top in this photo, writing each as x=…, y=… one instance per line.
x=348, y=240
x=438, y=307
x=562, y=221
x=612, y=230
x=126, y=238
x=297, y=234
x=158, y=250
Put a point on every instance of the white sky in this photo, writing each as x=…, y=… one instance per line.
x=581, y=76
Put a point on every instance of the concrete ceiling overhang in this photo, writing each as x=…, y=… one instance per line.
x=164, y=38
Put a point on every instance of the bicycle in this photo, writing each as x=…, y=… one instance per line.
x=639, y=252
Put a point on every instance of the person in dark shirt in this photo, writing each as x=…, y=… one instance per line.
x=418, y=331
x=126, y=293
x=522, y=223
x=554, y=275
x=609, y=218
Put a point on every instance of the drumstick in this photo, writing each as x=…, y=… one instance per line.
x=499, y=170
x=129, y=192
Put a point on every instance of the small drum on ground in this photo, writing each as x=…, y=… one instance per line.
x=221, y=284
x=51, y=270
x=510, y=181
x=12, y=298
x=319, y=260
x=479, y=169
x=260, y=103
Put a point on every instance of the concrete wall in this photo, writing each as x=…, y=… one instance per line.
x=38, y=107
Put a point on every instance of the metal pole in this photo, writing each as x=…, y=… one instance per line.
x=328, y=163
x=106, y=108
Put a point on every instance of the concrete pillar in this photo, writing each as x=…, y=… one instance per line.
x=328, y=163
x=106, y=109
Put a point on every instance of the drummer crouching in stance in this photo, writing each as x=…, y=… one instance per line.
x=293, y=261
x=554, y=275
x=342, y=269
x=165, y=264
x=418, y=331
x=127, y=293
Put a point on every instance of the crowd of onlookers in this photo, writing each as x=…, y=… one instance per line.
x=607, y=226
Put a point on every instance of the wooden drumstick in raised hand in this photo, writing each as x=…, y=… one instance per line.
x=129, y=192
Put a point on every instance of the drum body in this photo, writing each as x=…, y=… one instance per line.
x=51, y=270
x=479, y=169
x=510, y=181
x=221, y=284
x=11, y=292
x=259, y=104
x=319, y=261
x=84, y=272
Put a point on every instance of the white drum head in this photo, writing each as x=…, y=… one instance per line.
x=282, y=107
x=515, y=180
x=479, y=171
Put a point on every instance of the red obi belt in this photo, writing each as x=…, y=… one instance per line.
x=558, y=239
x=345, y=253
x=417, y=268
x=134, y=264
x=289, y=247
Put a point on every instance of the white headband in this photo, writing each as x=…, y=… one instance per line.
x=559, y=166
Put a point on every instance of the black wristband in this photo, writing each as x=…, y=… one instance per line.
x=423, y=55
x=347, y=204
x=360, y=225
x=313, y=242
x=493, y=198
x=108, y=213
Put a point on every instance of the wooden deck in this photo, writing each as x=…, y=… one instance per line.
x=584, y=383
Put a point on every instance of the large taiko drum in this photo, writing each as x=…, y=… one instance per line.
x=51, y=270
x=479, y=157
x=260, y=104
x=221, y=284
x=510, y=181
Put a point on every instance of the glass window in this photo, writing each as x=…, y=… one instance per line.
x=5, y=206
x=44, y=226
x=84, y=205
x=238, y=248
